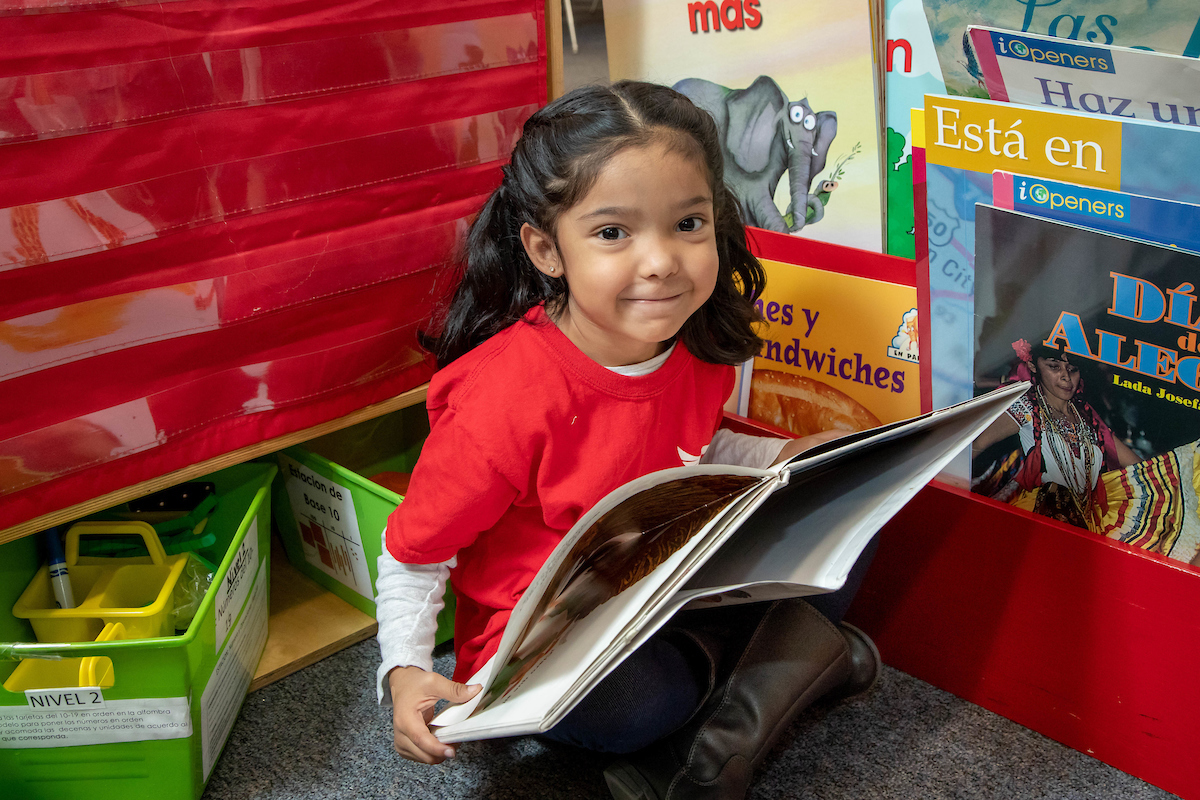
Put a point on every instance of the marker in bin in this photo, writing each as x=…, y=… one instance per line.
x=59, y=579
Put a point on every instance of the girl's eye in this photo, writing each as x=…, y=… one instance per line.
x=611, y=234
x=691, y=224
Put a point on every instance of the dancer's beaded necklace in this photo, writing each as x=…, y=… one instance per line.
x=1066, y=428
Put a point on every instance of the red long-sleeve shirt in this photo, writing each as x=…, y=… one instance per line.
x=528, y=433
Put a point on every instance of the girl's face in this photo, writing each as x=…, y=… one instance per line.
x=1059, y=378
x=638, y=252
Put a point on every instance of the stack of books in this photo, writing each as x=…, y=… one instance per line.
x=1061, y=213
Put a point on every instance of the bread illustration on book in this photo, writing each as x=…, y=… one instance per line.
x=804, y=406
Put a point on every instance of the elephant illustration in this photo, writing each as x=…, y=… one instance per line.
x=764, y=135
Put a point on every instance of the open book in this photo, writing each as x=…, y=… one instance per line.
x=699, y=535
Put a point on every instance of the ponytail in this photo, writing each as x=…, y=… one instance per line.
x=498, y=286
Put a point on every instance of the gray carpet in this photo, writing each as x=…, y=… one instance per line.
x=320, y=734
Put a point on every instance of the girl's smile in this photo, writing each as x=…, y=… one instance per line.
x=638, y=254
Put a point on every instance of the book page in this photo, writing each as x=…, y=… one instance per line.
x=802, y=537
x=811, y=531
x=526, y=706
x=613, y=548
x=616, y=650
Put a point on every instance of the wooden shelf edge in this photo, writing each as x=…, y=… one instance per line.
x=59, y=516
x=554, y=50
x=268, y=674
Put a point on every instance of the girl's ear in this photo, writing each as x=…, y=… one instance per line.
x=542, y=251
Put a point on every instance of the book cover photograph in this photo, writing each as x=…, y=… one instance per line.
x=792, y=88
x=1088, y=77
x=623, y=546
x=1105, y=328
x=1165, y=26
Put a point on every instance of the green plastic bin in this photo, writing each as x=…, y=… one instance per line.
x=158, y=726
x=330, y=516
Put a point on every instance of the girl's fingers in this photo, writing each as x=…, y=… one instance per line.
x=414, y=741
x=458, y=693
x=414, y=695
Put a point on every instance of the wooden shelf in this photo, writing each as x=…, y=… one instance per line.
x=59, y=516
x=307, y=622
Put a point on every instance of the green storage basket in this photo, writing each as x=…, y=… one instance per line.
x=330, y=516
x=185, y=688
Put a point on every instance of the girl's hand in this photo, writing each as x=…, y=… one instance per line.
x=414, y=694
x=797, y=446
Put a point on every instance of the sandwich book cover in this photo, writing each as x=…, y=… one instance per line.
x=1106, y=329
x=791, y=86
x=842, y=341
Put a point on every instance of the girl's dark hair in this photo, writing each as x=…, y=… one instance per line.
x=558, y=158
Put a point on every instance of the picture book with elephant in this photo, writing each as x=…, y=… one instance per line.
x=791, y=85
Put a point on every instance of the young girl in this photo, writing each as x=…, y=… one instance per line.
x=607, y=293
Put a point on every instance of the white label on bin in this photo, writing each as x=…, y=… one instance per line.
x=119, y=721
x=231, y=595
x=65, y=699
x=328, y=526
x=231, y=676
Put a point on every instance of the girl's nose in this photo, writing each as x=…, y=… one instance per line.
x=660, y=260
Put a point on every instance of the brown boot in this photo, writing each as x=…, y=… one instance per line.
x=793, y=657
